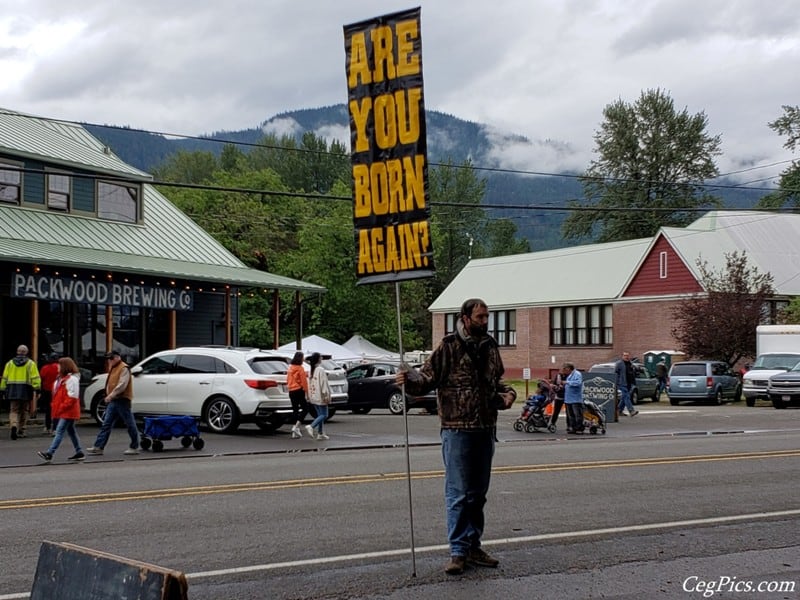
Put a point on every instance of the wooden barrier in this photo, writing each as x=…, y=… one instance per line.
x=70, y=572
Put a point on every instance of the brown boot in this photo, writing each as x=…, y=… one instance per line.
x=455, y=566
x=478, y=558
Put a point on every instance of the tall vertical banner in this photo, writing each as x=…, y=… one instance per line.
x=391, y=211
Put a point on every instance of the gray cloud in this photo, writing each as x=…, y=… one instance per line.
x=543, y=69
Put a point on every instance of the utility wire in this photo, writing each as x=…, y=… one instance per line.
x=346, y=156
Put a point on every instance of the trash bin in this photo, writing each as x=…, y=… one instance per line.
x=653, y=357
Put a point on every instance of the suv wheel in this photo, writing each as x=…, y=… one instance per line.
x=396, y=403
x=777, y=403
x=221, y=415
x=635, y=397
x=718, y=397
x=98, y=408
x=751, y=402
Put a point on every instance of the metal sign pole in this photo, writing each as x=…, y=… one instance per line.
x=405, y=419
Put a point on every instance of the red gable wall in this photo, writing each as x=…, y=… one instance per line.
x=648, y=281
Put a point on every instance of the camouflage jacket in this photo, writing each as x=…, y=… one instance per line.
x=467, y=376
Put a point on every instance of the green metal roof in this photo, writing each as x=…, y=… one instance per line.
x=60, y=143
x=166, y=244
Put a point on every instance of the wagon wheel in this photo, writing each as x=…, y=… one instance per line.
x=158, y=445
x=145, y=443
x=198, y=444
x=186, y=441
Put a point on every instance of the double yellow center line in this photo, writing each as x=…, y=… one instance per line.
x=229, y=488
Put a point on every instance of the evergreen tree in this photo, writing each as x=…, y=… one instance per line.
x=788, y=194
x=652, y=162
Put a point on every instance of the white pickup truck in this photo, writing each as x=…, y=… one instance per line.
x=754, y=382
x=778, y=349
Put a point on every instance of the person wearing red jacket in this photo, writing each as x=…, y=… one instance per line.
x=49, y=374
x=66, y=408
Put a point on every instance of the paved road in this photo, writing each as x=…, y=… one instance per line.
x=366, y=431
x=674, y=493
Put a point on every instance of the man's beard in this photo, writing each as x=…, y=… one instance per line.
x=478, y=330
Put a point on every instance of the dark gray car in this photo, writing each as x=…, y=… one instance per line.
x=709, y=380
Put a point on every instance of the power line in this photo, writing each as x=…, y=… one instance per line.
x=327, y=152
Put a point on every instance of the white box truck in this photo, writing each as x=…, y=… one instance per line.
x=778, y=348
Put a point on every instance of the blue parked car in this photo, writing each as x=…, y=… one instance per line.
x=709, y=380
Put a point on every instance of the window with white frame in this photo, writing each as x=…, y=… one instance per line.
x=58, y=191
x=502, y=326
x=10, y=183
x=118, y=202
x=590, y=325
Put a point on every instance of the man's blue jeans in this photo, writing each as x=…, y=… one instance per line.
x=624, y=400
x=117, y=409
x=467, y=458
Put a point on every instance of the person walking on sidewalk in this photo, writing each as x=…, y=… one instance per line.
x=319, y=394
x=66, y=409
x=625, y=377
x=49, y=373
x=119, y=397
x=558, y=388
x=297, y=382
x=466, y=370
x=20, y=384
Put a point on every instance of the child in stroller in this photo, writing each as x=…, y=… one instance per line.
x=594, y=419
x=534, y=410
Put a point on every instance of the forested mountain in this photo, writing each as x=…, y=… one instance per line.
x=450, y=141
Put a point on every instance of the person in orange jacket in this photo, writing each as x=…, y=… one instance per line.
x=66, y=408
x=297, y=382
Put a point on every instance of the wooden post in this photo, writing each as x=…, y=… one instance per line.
x=173, y=329
x=228, y=340
x=276, y=306
x=109, y=328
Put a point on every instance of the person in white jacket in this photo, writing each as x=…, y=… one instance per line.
x=319, y=394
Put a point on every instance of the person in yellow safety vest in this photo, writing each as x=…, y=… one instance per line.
x=20, y=384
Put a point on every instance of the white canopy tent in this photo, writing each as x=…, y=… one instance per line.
x=369, y=351
x=315, y=343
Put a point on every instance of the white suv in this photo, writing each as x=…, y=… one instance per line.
x=221, y=386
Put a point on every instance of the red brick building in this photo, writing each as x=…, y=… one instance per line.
x=587, y=304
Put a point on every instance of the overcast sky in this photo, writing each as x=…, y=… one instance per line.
x=544, y=69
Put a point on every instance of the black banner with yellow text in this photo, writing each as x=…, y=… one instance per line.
x=391, y=209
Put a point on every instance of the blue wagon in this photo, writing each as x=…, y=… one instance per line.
x=159, y=429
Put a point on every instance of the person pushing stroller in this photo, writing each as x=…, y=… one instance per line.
x=533, y=415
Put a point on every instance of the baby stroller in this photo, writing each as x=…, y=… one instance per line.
x=537, y=410
x=594, y=419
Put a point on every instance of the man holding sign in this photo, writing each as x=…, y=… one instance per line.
x=466, y=370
